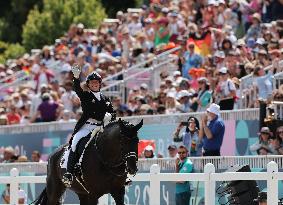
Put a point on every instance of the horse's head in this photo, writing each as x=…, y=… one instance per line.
x=129, y=144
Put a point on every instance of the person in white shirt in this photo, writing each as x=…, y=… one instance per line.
x=135, y=26
x=226, y=89
x=70, y=99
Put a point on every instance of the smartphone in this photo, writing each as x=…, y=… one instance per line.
x=184, y=123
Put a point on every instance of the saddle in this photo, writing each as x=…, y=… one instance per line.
x=80, y=150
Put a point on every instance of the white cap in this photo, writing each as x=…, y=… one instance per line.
x=223, y=70
x=211, y=2
x=170, y=95
x=221, y=2
x=260, y=41
x=148, y=148
x=144, y=86
x=214, y=108
x=176, y=73
x=164, y=10
x=183, y=93
x=80, y=25
x=219, y=54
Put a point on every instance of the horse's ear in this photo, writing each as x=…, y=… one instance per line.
x=138, y=126
x=122, y=126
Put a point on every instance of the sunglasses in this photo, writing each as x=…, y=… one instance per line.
x=182, y=152
x=280, y=132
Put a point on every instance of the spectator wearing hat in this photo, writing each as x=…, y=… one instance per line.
x=212, y=131
x=191, y=60
x=174, y=26
x=162, y=35
x=170, y=103
x=149, y=30
x=204, y=94
x=263, y=141
x=190, y=137
x=8, y=155
x=135, y=25
x=148, y=152
x=127, y=42
x=69, y=98
x=254, y=29
x=219, y=57
x=183, y=98
x=226, y=90
x=261, y=198
x=46, y=56
x=183, y=188
x=37, y=100
x=47, y=111
x=44, y=76
x=172, y=151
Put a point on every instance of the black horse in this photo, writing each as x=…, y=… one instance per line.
x=107, y=160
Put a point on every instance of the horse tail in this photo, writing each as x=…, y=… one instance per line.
x=42, y=199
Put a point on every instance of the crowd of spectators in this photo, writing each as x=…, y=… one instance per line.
x=237, y=38
x=268, y=142
x=10, y=154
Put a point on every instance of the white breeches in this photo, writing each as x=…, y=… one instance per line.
x=83, y=132
x=87, y=128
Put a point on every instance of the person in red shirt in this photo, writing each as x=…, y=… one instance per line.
x=13, y=116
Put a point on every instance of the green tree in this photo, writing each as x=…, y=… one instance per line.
x=13, y=15
x=57, y=15
x=10, y=51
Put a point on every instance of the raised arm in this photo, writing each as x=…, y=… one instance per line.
x=77, y=84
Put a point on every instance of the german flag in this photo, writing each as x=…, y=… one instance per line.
x=202, y=43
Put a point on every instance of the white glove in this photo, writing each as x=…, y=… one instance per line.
x=76, y=70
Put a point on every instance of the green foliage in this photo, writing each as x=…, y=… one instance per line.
x=13, y=15
x=10, y=51
x=57, y=15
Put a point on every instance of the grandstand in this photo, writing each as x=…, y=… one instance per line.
x=162, y=63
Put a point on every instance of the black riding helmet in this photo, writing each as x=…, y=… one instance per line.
x=93, y=76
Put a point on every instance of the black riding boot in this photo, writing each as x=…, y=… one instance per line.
x=68, y=176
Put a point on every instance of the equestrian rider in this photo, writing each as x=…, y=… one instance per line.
x=95, y=107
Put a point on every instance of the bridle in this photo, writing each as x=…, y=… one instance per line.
x=123, y=159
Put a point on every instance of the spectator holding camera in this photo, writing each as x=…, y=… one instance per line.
x=212, y=131
x=183, y=165
x=190, y=137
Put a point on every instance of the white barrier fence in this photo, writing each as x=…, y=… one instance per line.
x=209, y=177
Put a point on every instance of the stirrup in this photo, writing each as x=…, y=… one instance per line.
x=67, y=179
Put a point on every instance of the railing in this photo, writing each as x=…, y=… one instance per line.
x=249, y=92
x=166, y=164
x=152, y=66
x=16, y=79
x=278, y=109
x=244, y=114
x=209, y=177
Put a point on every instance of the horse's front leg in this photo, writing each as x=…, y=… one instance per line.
x=118, y=196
